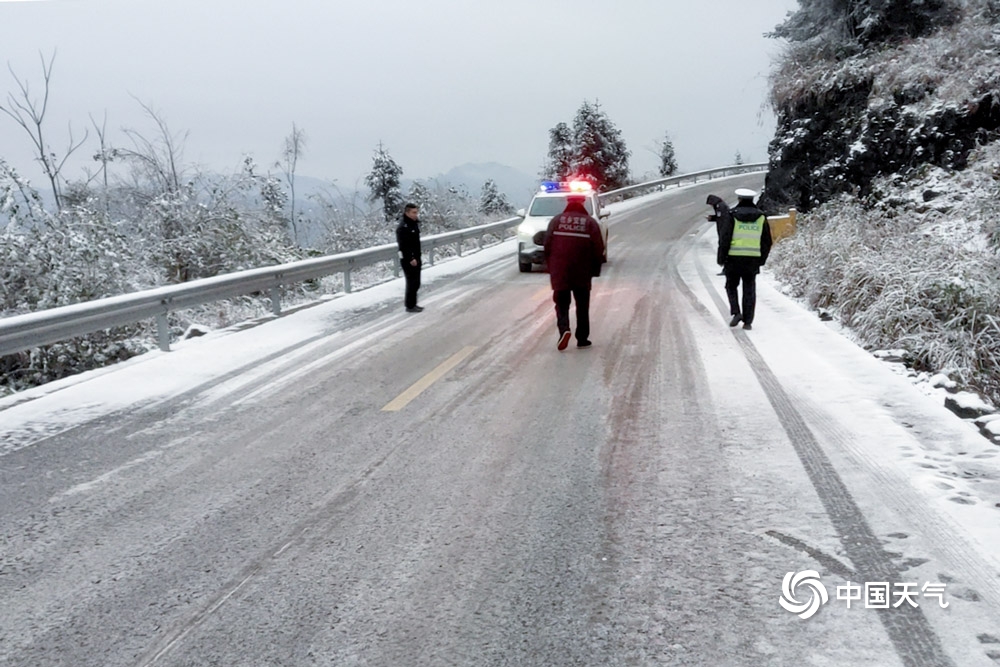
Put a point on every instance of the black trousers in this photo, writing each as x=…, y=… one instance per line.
x=412, y=275
x=747, y=274
x=581, y=295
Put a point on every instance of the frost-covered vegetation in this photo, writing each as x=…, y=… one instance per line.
x=142, y=217
x=145, y=218
x=889, y=136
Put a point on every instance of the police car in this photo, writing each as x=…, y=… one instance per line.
x=548, y=202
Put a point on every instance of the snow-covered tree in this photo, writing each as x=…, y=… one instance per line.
x=383, y=183
x=492, y=202
x=419, y=194
x=668, y=161
x=559, y=162
x=599, y=152
x=842, y=27
x=447, y=208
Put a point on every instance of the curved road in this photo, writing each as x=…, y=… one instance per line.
x=447, y=489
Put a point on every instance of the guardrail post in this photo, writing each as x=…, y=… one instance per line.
x=347, y=281
x=459, y=245
x=430, y=257
x=163, y=332
x=275, y=293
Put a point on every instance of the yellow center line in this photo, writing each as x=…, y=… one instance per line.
x=417, y=387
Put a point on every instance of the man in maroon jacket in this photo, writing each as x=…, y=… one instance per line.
x=573, y=252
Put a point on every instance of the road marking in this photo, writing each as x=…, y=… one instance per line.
x=417, y=387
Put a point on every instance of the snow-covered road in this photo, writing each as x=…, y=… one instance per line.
x=352, y=484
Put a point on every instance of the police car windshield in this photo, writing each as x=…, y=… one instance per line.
x=555, y=205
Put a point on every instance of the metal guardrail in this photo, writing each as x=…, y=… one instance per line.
x=722, y=172
x=44, y=327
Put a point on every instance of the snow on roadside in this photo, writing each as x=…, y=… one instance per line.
x=870, y=414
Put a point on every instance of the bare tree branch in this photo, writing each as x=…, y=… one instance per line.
x=161, y=157
x=294, y=147
x=30, y=115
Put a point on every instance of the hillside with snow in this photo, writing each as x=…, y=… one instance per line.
x=888, y=140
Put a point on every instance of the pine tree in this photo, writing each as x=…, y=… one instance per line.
x=668, y=162
x=599, y=152
x=560, y=159
x=492, y=202
x=383, y=183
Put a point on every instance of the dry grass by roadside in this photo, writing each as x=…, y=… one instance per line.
x=915, y=266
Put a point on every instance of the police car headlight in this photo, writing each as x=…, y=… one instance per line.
x=524, y=229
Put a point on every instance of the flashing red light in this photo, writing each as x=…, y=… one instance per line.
x=566, y=186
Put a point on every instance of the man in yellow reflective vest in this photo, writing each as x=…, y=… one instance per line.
x=744, y=244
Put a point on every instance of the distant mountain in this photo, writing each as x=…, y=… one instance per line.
x=517, y=185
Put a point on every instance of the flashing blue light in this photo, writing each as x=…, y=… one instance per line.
x=566, y=186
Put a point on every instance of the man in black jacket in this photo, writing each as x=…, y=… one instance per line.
x=744, y=244
x=574, y=249
x=408, y=240
x=721, y=217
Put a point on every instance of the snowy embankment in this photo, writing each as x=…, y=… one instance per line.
x=914, y=266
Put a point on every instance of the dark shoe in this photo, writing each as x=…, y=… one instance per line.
x=584, y=343
x=721, y=273
x=736, y=320
x=415, y=309
x=747, y=326
x=563, y=340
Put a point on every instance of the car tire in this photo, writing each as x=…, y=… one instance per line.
x=524, y=266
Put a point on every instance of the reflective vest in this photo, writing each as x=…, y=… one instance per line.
x=746, y=238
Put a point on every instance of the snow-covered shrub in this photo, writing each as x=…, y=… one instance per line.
x=76, y=257
x=136, y=238
x=20, y=205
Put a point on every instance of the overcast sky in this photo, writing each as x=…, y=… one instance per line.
x=439, y=82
